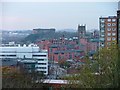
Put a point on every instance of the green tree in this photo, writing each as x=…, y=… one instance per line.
x=14, y=78
x=101, y=72
x=64, y=64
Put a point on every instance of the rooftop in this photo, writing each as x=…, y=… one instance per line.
x=51, y=81
x=67, y=51
x=106, y=17
x=18, y=45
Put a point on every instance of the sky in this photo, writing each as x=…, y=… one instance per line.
x=58, y=15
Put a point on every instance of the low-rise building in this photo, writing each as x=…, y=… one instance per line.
x=28, y=53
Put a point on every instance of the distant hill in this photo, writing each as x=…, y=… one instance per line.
x=40, y=36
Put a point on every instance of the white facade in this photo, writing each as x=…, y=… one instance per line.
x=21, y=52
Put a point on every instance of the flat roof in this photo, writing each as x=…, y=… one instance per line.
x=52, y=81
x=105, y=17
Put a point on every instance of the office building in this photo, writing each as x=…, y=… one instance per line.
x=27, y=54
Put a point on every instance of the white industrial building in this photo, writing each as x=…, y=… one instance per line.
x=18, y=52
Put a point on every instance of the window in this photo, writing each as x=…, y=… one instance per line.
x=109, y=24
x=102, y=44
x=113, y=20
x=8, y=55
x=42, y=63
x=109, y=34
x=39, y=55
x=113, y=38
x=109, y=29
x=11, y=55
x=113, y=24
x=43, y=71
x=55, y=53
x=102, y=31
x=108, y=43
x=113, y=29
x=41, y=67
x=108, y=39
x=2, y=55
x=109, y=20
x=45, y=59
x=102, y=20
x=102, y=28
x=102, y=25
x=102, y=39
x=102, y=35
x=113, y=43
x=113, y=34
x=40, y=59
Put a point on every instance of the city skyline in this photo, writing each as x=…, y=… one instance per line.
x=64, y=15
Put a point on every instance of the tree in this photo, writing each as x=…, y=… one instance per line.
x=64, y=64
x=14, y=78
x=101, y=72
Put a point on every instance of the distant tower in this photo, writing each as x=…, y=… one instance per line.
x=81, y=31
x=63, y=39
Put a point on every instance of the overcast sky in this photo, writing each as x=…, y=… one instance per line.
x=63, y=15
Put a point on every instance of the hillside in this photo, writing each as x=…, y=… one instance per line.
x=40, y=36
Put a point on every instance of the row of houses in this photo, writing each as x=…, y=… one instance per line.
x=64, y=49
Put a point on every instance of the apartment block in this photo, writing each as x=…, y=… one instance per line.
x=108, y=30
x=118, y=26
